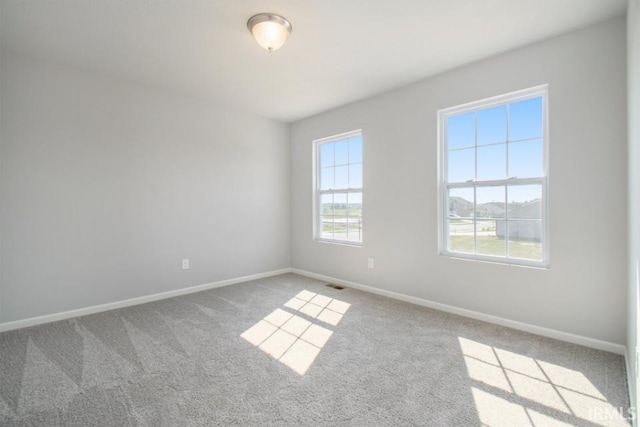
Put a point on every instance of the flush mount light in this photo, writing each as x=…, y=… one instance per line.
x=269, y=30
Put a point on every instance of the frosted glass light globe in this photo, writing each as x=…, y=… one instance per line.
x=270, y=31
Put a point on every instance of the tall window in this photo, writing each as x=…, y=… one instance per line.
x=338, y=188
x=493, y=179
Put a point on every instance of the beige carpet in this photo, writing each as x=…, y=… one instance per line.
x=290, y=351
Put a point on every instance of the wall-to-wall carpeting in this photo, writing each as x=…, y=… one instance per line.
x=288, y=350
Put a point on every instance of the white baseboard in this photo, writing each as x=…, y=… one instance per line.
x=538, y=330
x=33, y=321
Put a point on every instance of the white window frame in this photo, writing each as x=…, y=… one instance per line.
x=318, y=193
x=443, y=186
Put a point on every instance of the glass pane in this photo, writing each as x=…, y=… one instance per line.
x=340, y=227
x=461, y=165
x=354, y=205
x=340, y=216
x=460, y=203
x=340, y=204
x=461, y=226
x=492, y=125
x=326, y=227
x=355, y=230
x=326, y=178
x=525, y=239
x=461, y=131
x=355, y=149
x=342, y=152
x=525, y=159
x=355, y=175
x=492, y=162
x=326, y=202
x=490, y=202
x=488, y=241
x=326, y=155
x=525, y=119
x=461, y=235
x=342, y=177
x=525, y=201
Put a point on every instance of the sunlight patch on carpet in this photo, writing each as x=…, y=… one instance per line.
x=295, y=340
x=512, y=389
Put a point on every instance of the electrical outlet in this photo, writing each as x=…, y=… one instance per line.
x=185, y=264
x=370, y=263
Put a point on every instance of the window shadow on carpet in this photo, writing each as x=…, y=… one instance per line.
x=512, y=389
x=296, y=333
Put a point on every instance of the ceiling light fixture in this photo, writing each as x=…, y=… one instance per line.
x=269, y=30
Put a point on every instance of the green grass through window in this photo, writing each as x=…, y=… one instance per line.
x=494, y=246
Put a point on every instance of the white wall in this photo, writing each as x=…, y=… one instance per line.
x=583, y=292
x=106, y=185
x=633, y=73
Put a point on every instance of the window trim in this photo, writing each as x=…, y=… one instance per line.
x=443, y=186
x=317, y=193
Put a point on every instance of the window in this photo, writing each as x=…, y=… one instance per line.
x=338, y=188
x=493, y=179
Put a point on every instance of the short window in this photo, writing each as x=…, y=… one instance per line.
x=338, y=188
x=493, y=179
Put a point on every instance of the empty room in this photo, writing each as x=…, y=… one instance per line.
x=319, y=213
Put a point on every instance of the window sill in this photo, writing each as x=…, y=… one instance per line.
x=536, y=265
x=339, y=243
